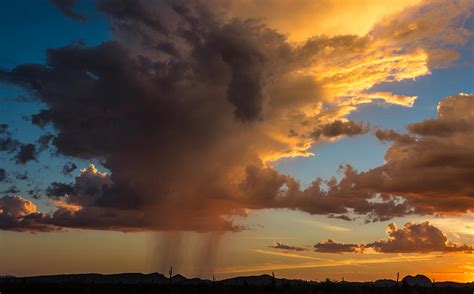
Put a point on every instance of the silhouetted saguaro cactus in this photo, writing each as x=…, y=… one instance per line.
x=171, y=273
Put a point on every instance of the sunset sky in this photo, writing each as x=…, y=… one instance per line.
x=315, y=139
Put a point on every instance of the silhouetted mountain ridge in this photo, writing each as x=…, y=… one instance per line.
x=257, y=280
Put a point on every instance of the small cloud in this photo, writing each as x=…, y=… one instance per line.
x=8, y=144
x=324, y=226
x=3, y=175
x=342, y=128
x=67, y=8
x=43, y=141
x=27, y=153
x=331, y=246
x=3, y=128
x=68, y=168
x=20, y=176
x=278, y=245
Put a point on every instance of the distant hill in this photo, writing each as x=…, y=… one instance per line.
x=259, y=280
x=385, y=283
x=417, y=281
x=92, y=278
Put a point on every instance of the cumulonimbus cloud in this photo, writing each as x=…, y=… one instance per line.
x=427, y=151
x=412, y=238
x=188, y=111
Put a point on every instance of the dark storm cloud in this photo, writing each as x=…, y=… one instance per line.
x=68, y=168
x=278, y=245
x=101, y=218
x=188, y=111
x=173, y=130
x=339, y=128
x=129, y=12
x=89, y=189
x=26, y=153
x=78, y=207
x=246, y=63
x=67, y=8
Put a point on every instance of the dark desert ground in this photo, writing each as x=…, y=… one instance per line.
x=158, y=283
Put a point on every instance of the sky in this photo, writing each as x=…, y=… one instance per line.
x=313, y=139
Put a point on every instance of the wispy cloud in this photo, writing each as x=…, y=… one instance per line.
x=323, y=263
x=288, y=254
x=266, y=237
x=323, y=225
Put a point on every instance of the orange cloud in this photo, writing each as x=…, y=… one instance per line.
x=303, y=19
x=20, y=214
x=412, y=238
x=421, y=238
